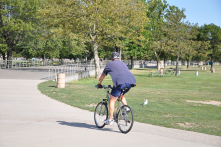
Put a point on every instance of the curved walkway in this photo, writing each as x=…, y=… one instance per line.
x=31, y=119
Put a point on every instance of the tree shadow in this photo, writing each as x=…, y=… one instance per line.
x=147, y=75
x=30, y=69
x=52, y=86
x=85, y=125
x=140, y=69
x=46, y=78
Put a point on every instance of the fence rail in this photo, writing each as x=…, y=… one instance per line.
x=70, y=69
x=6, y=64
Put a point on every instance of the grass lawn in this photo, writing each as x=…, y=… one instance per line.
x=186, y=102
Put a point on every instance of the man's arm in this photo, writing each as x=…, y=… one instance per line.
x=101, y=78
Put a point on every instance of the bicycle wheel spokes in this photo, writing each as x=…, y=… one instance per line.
x=125, y=119
x=100, y=114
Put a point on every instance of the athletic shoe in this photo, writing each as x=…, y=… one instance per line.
x=127, y=109
x=109, y=122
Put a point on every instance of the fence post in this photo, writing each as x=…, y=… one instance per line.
x=49, y=73
x=55, y=72
x=71, y=68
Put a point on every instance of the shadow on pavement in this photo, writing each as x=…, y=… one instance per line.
x=30, y=69
x=84, y=125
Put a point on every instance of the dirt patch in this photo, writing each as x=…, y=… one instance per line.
x=186, y=125
x=92, y=105
x=168, y=115
x=155, y=92
x=217, y=103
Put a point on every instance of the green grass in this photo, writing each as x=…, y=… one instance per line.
x=167, y=97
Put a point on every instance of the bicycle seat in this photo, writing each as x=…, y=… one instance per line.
x=126, y=88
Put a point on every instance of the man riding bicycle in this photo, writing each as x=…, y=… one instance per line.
x=121, y=77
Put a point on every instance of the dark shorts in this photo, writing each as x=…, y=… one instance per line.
x=116, y=91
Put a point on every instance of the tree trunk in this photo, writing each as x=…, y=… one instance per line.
x=157, y=63
x=120, y=52
x=132, y=62
x=96, y=62
x=177, y=60
x=164, y=62
x=62, y=61
x=86, y=58
x=212, y=59
x=156, y=59
x=188, y=61
x=3, y=55
x=44, y=60
x=116, y=49
x=211, y=62
x=9, y=55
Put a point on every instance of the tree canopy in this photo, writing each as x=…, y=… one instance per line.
x=137, y=29
x=96, y=21
x=16, y=18
x=212, y=34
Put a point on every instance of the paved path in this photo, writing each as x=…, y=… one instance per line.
x=31, y=119
x=28, y=73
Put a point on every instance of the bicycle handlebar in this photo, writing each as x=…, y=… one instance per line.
x=103, y=86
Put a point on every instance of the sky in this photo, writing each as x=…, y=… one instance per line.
x=200, y=11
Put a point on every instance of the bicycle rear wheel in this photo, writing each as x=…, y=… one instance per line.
x=125, y=119
x=100, y=114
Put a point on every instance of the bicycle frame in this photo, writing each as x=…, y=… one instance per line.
x=122, y=115
x=105, y=101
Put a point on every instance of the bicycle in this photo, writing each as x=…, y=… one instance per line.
x=123, y=115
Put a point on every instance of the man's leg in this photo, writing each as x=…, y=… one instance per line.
x=123, y=100
x=111, y=106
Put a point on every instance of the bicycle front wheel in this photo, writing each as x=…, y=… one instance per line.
x=100, y=114
x=125, y=119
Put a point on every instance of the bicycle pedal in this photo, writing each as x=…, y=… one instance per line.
x=124, y=113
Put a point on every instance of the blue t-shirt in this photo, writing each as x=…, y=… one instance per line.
x=119, y=73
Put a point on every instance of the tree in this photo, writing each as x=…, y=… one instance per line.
x=133, y=51
x=96, y=21
x=16, y=17
x=39, y=43
x=177, y=33
x=190, y=43
x=195, y=48
x=30, y=45
x=156, y=25
x=211, y=33
x=3, y=47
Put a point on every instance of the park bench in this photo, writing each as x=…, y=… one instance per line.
x=170, y=70
x=156, y=74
